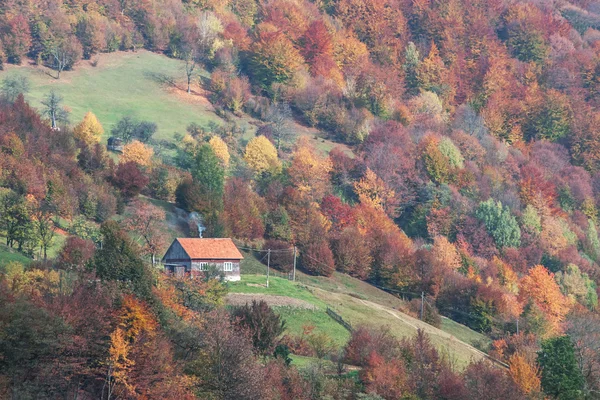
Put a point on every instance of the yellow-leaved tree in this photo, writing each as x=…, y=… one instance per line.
x=372, y=190
x=219, y=147
x=261, y=156
x=89, y=130
x=309, y=171
x=137, y=152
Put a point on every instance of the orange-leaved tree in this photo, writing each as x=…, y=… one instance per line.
x=525, y=373
x=540, y=288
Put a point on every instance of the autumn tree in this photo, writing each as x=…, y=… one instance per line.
x=75, y=253
x=431, y=72
x=243, y=210
x=89, y=130
x=316, y=258
x=137, y=152
x=525, y=374
x=129, y=179
x=273, y=57
x=318, y=51
x=540, y=288
x=219, y=147
x=226, y=367
x=147, y=223
x=372, y=190
x=483, y=380
x=261, y=322
x=352, y=253
x=17, y=38
x=309, y=171
x=261, y=156
x=445, y=254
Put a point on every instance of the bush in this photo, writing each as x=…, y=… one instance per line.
x=263, y=325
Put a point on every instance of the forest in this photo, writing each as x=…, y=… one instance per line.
x=465, y=175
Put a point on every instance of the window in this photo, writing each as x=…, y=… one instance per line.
x=228, y=266
x=203, y=266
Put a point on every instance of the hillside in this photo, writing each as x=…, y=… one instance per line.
x=143, y=84
x=359, y=304
x=444, y=151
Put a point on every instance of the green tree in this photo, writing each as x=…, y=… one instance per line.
x=500, y=223
x=15, y=221
x=578, y=286
x=550, y=118
x=531, y=220
x=526, y=44
x=593, y=242
x=561, y=376
x=449, y=149
x=209, y=174
x=13, y=86
x=119, y=259
x=411, y=66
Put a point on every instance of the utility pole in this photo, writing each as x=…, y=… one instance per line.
x=294, y=274
x=268, y=265
x=422, y=301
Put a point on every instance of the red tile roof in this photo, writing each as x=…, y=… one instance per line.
x=210, y=248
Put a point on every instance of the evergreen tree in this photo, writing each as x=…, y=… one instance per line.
x=561, y=376
x=500, y=223
x=119, y=259
x=209, y=174
x=411, y=66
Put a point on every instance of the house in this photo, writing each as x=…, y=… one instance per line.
x=115, y=144
x=193, y=255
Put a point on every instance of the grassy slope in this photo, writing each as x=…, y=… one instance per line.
x=7, y=255
x=296, y=319
x=369, y=306
x=140, y=84
x=123, y=84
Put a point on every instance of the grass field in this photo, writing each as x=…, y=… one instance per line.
x=124, y=84
x=359, y=304
x=147, y=85
x=7, y=255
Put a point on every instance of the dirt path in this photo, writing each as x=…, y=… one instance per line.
x=429, y=329
x=240, y=299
